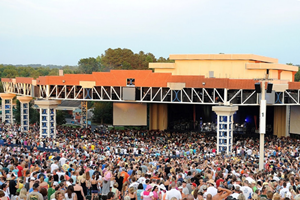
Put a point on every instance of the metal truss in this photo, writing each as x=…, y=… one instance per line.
x=208, y=96
x=23, y=89
x=150, y=94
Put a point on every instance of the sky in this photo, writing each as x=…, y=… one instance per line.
x=61, y=32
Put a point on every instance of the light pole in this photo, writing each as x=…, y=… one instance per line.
x=262, y=126
x=262, y=117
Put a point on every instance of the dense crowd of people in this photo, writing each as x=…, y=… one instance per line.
x=148, y=165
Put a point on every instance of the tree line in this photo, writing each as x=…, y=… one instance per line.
x=111, y=59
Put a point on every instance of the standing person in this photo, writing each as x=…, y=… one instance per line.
x=116, y=191
x=44, y=193
x=83, y=184
x=23, y=194
x=88, y=182
x=139, y=191
x=155, y=193
x=79, y=191
x=247, y=191
x=110, y=196
x=35, y=194
x=173, y=192
x=221, y=194
x=59, y=195
x=13, y=185
x=147, y=194
x=185, y=190
x=94, y=187
x=70, y=194
x=2, y=195
x=119, y=179
x=132, y=194
x=20, y=168
x=105, y=188
x=51, y=189
x=211, y=189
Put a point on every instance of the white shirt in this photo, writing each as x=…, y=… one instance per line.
x=173, y=193
x=250, y=180
x=53, y=167
x=283, y=192
x=249, y=152
x=62, y=161
x=235, y=195
x=247, y=191
x=212, y=190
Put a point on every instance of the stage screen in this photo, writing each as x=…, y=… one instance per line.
x=129, y=114
x=295, y=120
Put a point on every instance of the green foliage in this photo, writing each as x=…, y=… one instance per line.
x=10, y=71
x=297, y=75
x=34, y=116
x=60, y=117
x=88, y=65
x=126, y=59
x=1, y=88
x=103, y=112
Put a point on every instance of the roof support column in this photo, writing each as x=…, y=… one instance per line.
x=24, y=101
x=224, y=127
x=47, y=117
x=7, y=108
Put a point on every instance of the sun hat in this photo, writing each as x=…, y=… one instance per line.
x=162, y=187
x=148, y=187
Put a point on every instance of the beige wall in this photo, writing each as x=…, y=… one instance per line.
x=273, y=74
x=286, y=76
x=222, y=69
x=234, y=66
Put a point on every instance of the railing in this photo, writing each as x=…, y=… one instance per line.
x=3, y=143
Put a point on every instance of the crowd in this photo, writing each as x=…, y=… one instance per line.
x=148, y=165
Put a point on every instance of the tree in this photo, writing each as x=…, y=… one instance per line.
x=88, y=65
x=297, y=75
x=60, y=117
x=34, y=116
x=126, y=59
x=1, y=88
x=103, y=112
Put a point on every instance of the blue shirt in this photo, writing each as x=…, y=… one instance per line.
x=91, y=172
x=130, y=172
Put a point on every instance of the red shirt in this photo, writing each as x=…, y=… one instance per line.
x=218, y=182
x=20, y=172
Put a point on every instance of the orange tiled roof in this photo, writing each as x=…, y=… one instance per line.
x=143, y=78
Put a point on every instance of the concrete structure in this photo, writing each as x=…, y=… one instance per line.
x=24, y=102
x=47, y=117
x=224, y=127
x=191, y=79
x=7, y=108
x=233, y=66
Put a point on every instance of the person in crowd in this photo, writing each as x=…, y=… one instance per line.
x=144, y=165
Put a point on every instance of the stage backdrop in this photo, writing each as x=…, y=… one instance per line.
x=295, y=120
x=129, y=114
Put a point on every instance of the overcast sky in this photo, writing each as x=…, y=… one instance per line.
x=64, y=31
